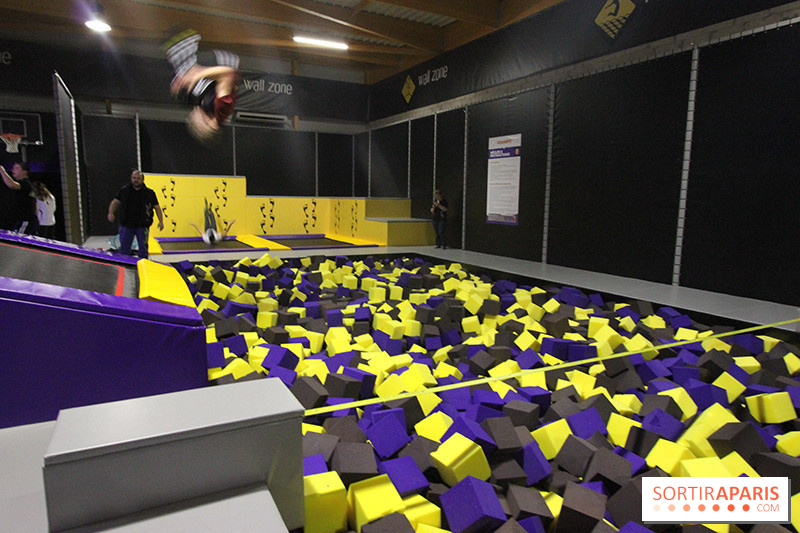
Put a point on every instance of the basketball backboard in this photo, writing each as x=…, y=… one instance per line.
x=28, y=125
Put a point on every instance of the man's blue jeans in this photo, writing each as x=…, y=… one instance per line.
x=126, y=236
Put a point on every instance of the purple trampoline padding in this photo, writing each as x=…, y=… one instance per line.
x=42, y=293
x=66, y=247
x=67, y=348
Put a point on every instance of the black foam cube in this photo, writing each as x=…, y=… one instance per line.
x=612, y=469
x=344, y=427
x=581, y=509
x=522, y=413
x=574, y=455
x=354, y=461
x=393, y=523
x=740, y=437
x=309, y=392
x=319, y=443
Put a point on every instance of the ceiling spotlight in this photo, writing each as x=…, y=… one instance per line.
x=321, y=42
x=96, y=21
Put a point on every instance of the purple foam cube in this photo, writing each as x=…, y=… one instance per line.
x=705, y=394
x=334, y=317
x=286, y=375
x=556, y=347
x=473, y=431
x=667, y=312
x=341, y=412
x=661, y=423
x=688, y=358
x=537, y=395
x=362, y=313
x=388, y=436
x=682, y=374
x=681, y=321
x=479, y=413
x=236, y=344
x=638, y=464
x=650, y=370
x=339, y=360
x=380, y=414
x=460, y=398
x=660, y=385
x=489, y=398
x=532, y=524
x=633, y=527
x=596, y=486
x=405, y=475
x=395, y=346
x=626, y=311
x=794, y=394
x=529, y=359
x=215, y=354
x=433, y=343
x=586, y=423
x=451, y=337
x=752, y=390
x=532, y=460
x=578, y=352
x=749, y=342
x=314, y=464
x=472, y=506
x=472, y=349
x=738, y=374
x=279, y=356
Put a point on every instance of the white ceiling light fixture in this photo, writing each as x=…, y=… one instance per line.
x=338, y=45
x=96, y=21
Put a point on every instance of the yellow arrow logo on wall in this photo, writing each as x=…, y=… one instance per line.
x=614, y=15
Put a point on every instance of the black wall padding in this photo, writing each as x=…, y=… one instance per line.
x=335, y=153
x=389, y=176
x=169, y=148
x=421, y=166
x=361, y=181
x=742, y=234
x=109, y=156
x=617, y=154
x=276, y=162
x=526, y=113
x=450, y=170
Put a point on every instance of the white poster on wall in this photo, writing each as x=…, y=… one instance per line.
x=502, y=182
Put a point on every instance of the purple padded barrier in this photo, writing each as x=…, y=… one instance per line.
x=67, y=348
x=59, y=246
x=300, y=236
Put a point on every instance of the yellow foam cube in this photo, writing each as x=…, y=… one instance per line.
x=473, y=303
x=732, y=386
x=421, y=511
x=266, y=319
x=627, y=324
x=789, y=443
x=433, y=426
x=795, y=511
x=428, y=402
x=618, y=428
x=668, y=455
x=371, y=499
x=312, y=428
x=554, y=502
x=221, y=291
x=773, y=408
x=736, y=465
x=525, y=340
x=708, y=422
x=505, y=368
x=703, y=467
x=654, y=321
x=626, y=404
x=470, y=324
x=325, y=503
x=425, y=528
x=391, y=386
x=444, y=369
x=551, y=437
x=552, y=305
x=595, y=323
x=684, y=401
x=748, y=363
x=609, y=335
x=533, y=379
x=792, y=363
x=459, y=457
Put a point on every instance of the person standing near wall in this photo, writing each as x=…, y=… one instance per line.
x=45, y=210
x=134, y=206
x=25, y=220
x=439, y=217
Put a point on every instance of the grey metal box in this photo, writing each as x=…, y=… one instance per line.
x=110, y=460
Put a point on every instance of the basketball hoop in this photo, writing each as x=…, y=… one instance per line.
x=12, y=142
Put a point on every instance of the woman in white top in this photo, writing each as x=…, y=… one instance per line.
x=45, y=210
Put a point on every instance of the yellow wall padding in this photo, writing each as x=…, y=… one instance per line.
x=258, y=242
x=162, y=283
x=152, y=245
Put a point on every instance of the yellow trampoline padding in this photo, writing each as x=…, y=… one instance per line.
x=162, y=283
x=350, y=240
x=258, y=242
x=152, y=245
